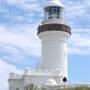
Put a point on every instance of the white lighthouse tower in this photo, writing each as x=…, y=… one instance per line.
x=54, y=34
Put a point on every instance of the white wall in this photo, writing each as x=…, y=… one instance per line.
x=54, y=50
x=15, y=83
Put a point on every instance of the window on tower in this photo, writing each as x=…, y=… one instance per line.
x=53, y=12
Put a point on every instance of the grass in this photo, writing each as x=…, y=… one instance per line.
x=33, y=87
x=76, y=88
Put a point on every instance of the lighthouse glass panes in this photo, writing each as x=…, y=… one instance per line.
x=53, y=12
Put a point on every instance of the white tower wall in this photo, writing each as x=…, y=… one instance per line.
x=54, y=51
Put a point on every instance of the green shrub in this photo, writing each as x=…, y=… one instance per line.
x=76, y=88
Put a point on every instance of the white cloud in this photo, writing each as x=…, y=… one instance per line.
x=81, y=38
x=26, y=39
x=5, y=69
x=26, y=5
x=10, y=39
x=13, y=2
x=16, y=2
x=20, y=37
x=87, y=2
x=80, y=42
x=78, y=51
x=19, y=11
x=76, y=10
x=17, y=45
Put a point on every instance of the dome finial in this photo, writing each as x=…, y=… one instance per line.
x=54, y=0
x=54, y=3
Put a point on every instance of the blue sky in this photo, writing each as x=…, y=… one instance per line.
x=20, y=46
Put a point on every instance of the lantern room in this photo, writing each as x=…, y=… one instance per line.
x=54, y=10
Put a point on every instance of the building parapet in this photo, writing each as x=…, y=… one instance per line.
x=35, y=72
x=15, y=76
x=43, y=72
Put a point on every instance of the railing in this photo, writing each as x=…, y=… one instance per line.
x=36, y=72
x=54, y=27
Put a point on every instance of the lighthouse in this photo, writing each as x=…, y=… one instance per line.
x=54, y=34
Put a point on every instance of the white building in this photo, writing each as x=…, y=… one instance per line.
x=54, y=34
x=19, y=82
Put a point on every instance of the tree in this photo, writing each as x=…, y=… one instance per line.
x=30, y=87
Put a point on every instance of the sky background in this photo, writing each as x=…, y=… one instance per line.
x=20, y=46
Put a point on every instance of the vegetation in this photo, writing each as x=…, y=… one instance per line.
x=33, y=87
x=76, y=88
x=30, y=87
